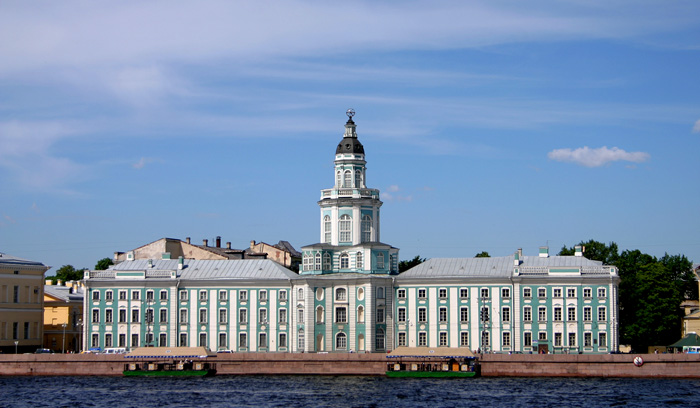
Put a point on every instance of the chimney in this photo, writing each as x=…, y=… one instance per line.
x=517, y=260
x=180, y=263
x=48, y=282
x=544, y=252
x=187, y=240
x=206, y=242
x=228, y=245
x=150, y=263
x=578, y=250
x=59, y=282
x=218, y=242
x=252, y=244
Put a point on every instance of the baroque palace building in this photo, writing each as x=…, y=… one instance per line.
x=349, y=296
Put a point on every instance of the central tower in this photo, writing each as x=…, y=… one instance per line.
x=349, y=233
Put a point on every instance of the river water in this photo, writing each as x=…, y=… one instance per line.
x=345, y=391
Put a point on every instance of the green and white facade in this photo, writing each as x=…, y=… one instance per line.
x=349, y=295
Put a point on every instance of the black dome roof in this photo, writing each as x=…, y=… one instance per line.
x=350, y=143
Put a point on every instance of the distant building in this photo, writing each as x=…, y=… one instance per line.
x=283, y=253
x=170, y=248
x=21, y=304
x=691, y=310
x=63, y=316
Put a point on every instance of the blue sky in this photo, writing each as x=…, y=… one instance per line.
x=488, y=126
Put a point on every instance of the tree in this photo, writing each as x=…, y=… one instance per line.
x=406, y=265
x=482, y=254
x=596, y=251
x=103, y=264
x=67, y=273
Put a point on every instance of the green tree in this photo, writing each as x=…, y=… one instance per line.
x=596, y=251
x=406, y=265
x=103, y=264
x=67, y=273
x=482, y=254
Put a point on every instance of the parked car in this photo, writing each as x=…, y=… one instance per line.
x=43, y=351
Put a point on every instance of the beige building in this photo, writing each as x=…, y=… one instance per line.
x=63, y=312
x=691, y=310
x=170, y=248
x=283, y=253
x=21, y=304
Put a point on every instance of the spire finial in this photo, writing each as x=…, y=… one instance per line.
x=350, y=112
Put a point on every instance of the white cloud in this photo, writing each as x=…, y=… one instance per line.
x=393, y=188
x=696, y=127
x=142, y=162
x=588, y=157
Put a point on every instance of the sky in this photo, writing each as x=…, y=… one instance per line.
x=487, y=126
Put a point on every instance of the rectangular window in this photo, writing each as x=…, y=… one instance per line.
x=202, y=339
x=484, y=338
x=484, y=293
x=442, y=293
x=122, y=315
x=380, y=315
x=527, y=314
x=443, y=315
x=402, y=338
x=163, y=318
x=122, y=340
x=108, y=340
x=571, y=314
x=282, y=343
x=401, y=294
x=422, y=315
x=527, y=292
x=26, y=330
x=557, y=339
x=262, y=340
x=262, y=295
x=464, y=339
x=109, y=296
x=108, y=316
x=506, y=339
x=587, y=339
x=587, y=313
x=163, y=340
x=542, y=336
x=134, y=340
x=587, y=293
x=243, y=295
x=527, y=339
x=422, y=339
x=601, y=292
x=421, y=293
x=202, y=316
x=443, y=339
x=95, y=340
x=401, y=314
x=283, y=316
x=122, y=295
x=183, y=339
x=542, y=314
x=243, y=316
x=202, y=295
x=223, y=316
x=95, y=294
x=183, y=316
x=95, y=315
x=556, y=292
x=484, y=314
x=602, y=339
x=463, y=293
x=300, y=316
x=149, y=315
x=571, y=292
x=505, y=313
x=149, y=296
x=572, y=339
x=463, y=314
x=135, y=295
x=602, y=315
x=542, y=293
x=505, y=293
x=222, y=341
x=222, y=296
x=283, y=295
x=183, y=295
x=262, y=314
x=341, y=315
x=557, y=314
x=163, y=295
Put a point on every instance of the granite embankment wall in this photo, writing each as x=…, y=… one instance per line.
x=527, y=365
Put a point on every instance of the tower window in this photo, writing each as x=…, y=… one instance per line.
x=366, y=228
x=344, y=261
x=327, y=229
x=358, y=179
x=345, y=228
x=347, y=183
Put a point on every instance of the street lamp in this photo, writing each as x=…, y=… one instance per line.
x=16, y=343
x=64, y=338
x=80, y=335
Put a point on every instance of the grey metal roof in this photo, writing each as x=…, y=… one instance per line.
x=6, y=259
x=496, y=267
x=213, y=269
x=64, y=293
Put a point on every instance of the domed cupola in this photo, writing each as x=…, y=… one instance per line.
x=350, y=143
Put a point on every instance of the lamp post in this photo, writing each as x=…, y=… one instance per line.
x=16, y=343
x=63, y=350
x=80, y=335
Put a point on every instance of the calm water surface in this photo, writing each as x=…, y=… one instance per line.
x=305, y=391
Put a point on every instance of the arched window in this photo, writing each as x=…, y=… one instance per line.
x=300, y=294
x=341, y=341
x=360, y=314
x=326, y=262
x=319, y=314
x=345, y=228
x=347, y=183
x=344, y=261
x=380, y=293
x=380, y=260
x=358, y=261
x=317, y=264
x=379, y=340
x=327, y=229
x=341, y=295
x=366, y=228
x=358, y=179
x=338, y=179
x=300, y=340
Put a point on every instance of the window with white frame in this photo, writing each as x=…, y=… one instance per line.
x=464, y=339
x=422, y=293
x=202, y=295
x=183, y=295
x=317, y=262
x=122, y=295
x=505, y=293
x=527, y=292
x=183, y=316
x=344, y=261
x=463, y=293
x=262, y=314
x=442, y=293
x=183, y=339
x=149, y=296
x=262, y=340
x=380, y=315
x=587, y=292
x=341, y=315
x=135, y=315
x=557, y=339
x=505, y=314
x=506, y=339
x=163, y=316
x=223, y=316
x=587, y=339
x=135, y=295
x=542, y=314
x=463, y=314
x=358, y=261
x=601, y=292
x=341, y=342
x=223, y=296
x=401, y=294
x=422, y=339
x=108, y=316
x=243, y=340
x=345, y=228
x=300, y=316
x=485, y=338
x=443, y=315
x=300, y=339
x=95, y=294
x=380, y=292
x=422, y=315
x=300, y=294
x=282, y=342
x=443, y=339
x=202, y=315
x=572, y=339
x=341, y=295
x=282, y=313
x=527, y=314
x=401, y=314
x=484, y=293
x=149, y=315
x=587, y=314
x=556, y=292
x=602, y=315
x=358, y=179
x=571, y=292
x=379, y=340
x=542, y=336
x=347, y=179
x=109, y=296
x=557, y=314
x=338, y=179
x=527, y=339
x=242, y=316
x=163, y=295
x=222, y=341
x=380, y=260
x=326, y=261
x=402, y=339
x=541, y=293
x=262, y=296
x=327, y=229
x=360, y=314
x=122, y=315
x=366, y=228
x=602, y=339
x=571, y=314
x=242, y=295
